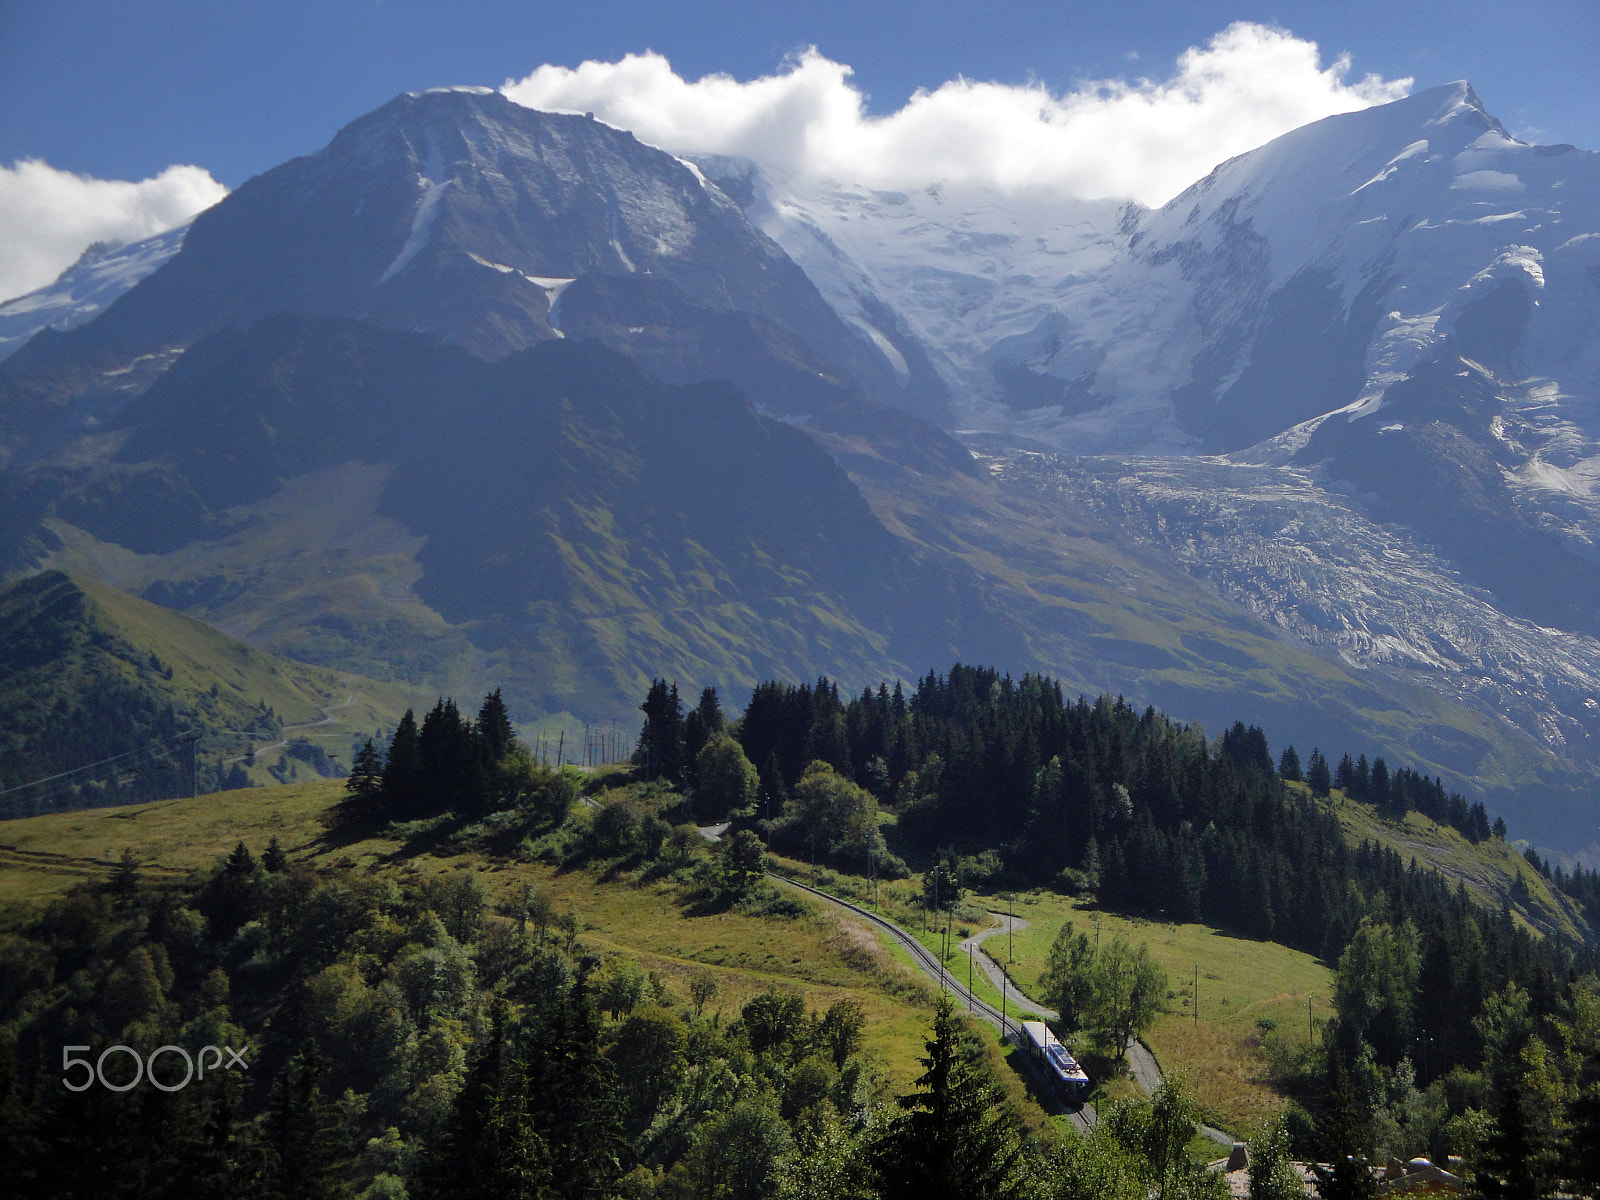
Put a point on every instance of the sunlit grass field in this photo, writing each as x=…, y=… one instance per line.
x=822, y=955
x=1245, y=988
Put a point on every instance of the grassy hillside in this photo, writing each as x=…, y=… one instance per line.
x=556, y=523
x=821, y=955
x=88, y=673
x=1246, y=988
x=1489, y=870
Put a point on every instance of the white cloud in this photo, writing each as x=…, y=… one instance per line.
x=1145, y=139
x=51, y=216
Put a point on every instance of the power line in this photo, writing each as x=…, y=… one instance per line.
x=181, y=737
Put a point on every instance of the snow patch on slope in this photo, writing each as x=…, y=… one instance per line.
x=86, y=288
x=432, y=185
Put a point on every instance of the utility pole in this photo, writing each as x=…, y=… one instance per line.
x=969, y=978
x=1311, y=1029
x=942, y=940
x=1011, y=921
x=1197, y=995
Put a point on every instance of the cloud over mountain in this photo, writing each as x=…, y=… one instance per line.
x=50, y=215
x=1146, y=138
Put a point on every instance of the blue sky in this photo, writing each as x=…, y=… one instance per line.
x=122, y=90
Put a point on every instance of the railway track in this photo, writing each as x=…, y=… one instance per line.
x=930, y=965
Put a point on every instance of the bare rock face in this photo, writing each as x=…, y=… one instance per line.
x=460, y=214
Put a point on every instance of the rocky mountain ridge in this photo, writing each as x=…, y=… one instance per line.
x=1343, y=273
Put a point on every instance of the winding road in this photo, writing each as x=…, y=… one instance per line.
x=928, y=963
x=1142, y=1064
x=327, y=719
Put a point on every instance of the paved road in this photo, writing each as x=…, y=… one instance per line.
x=991, y=967
x=327, y=719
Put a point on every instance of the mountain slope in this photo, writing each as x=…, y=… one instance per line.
x=358, y=494
x=88, y=673
x=562, y=526
x=1290, y=282
x=556, y=521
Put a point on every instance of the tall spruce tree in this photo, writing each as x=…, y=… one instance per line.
x=953, y=1141
x=1317, y=774
x=493, y=729
x=402, y=769
x=363, y=787
x=450, y=771
x=571, y=1097
x=661, y=752
x=705, y=722
x=307, y=1134
x=1517, y=1164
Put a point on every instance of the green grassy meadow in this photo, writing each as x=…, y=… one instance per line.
x=1242, y=983
x=822, y=955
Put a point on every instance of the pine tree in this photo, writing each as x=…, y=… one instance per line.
x=1345, y=777
x=450, y=775
x=953, y=1141
x=1581, y=1151
x=402, y=768
x=306, y=1131
x=1289, y=766
x=1516, y=1164
x=1317, y=774
x=274, y=859
x=364, y=795
x=700, y=727
x=487, y=1148
x=125, y=877
x=493, y=728
x=571, y=1098
x=661, y=748
x=1378, y=792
